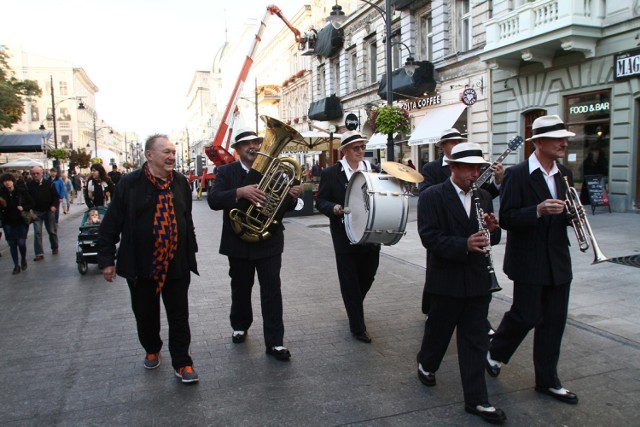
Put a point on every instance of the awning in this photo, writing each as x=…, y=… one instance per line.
x=431, y=126
x=313, y=141
x=22, y=142
x=378, y=141
x=22, y=163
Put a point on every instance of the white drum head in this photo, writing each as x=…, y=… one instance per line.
x=357, y=199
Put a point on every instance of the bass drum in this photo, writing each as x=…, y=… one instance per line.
x=378, y=209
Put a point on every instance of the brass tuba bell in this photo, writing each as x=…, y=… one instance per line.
x=275, y=177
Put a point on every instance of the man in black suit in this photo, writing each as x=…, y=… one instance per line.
x=357, y=264
x=537, y=259
x=247, y=258
x=457, y=278
x=438, y=171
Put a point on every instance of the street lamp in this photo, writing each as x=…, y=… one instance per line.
x=337, y=18
x=81, y=106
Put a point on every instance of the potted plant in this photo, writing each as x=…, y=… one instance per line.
x=390, y=119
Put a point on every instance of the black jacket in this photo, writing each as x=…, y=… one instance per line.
x=18, y=197
x=332, y=191
x=129, y=220
x=444, y=227
x=537, y=251
x=44, y=195
x=222, y=196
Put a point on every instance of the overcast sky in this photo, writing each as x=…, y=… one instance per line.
x=140, y=53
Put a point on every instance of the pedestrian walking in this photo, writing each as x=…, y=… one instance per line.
x=99, y=187
x=13, y=201
x=45, y=199
x=150, y=216
x=60, y=188
x=68, y=191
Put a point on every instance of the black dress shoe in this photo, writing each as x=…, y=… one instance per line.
x=560, y=393
x=362, y=336
x=487, y=412
x=239, y=337
x=426, y=378
x=280, y=353
x=492, y=370
x=24, y=264
x=16, y=270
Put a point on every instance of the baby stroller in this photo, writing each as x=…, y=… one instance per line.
x=86, y=251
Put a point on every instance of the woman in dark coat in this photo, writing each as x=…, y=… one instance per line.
x=13, y=201
x=99, y=187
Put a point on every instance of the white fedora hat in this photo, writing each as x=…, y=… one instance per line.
x=450, y=134
x=351, y=137
x=245, y=134
x=467, y=152
x=549, y=127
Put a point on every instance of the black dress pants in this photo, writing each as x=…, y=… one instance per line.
x=242, y=272
x=356, y=273
x=545, y=309
x=146, y=308
x=468, y=316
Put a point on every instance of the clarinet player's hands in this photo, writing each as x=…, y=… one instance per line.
x=477, y=242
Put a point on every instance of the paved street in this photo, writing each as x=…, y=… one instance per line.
x=70, y=354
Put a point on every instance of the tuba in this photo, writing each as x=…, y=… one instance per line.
x=581, y=224
x=275, y=177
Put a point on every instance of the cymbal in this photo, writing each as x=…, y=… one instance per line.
x=402, y=172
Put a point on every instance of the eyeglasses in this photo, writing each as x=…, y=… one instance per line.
x=358, y=148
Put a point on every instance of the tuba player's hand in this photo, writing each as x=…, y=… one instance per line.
x=251, y=193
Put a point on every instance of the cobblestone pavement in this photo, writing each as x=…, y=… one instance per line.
x=70, y=354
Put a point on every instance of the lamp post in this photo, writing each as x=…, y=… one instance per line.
x=337, y=17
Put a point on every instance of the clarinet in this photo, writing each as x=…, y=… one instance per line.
x=482, y=226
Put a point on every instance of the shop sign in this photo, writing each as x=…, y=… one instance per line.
x=589, y=108
x=351, y=122
x=468, y=96
x=416, y=104
x=627, y=64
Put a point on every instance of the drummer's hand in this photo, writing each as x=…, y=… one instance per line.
x=109, y=273
x=251, y=193
x=338, y=211
x=295, y=191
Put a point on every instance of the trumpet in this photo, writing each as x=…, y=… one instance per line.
x=581, y=225
x=482, y=226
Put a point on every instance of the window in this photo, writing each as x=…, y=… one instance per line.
x=322, y=75
x=464, y=33
x=353, y=71
x=426, y=29
x=335, y=65
x=373, y=62
x=294, y=63
x=588, y=116
x=395, y=56
x=63, y=89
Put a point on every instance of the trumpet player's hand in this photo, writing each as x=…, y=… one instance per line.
x=295, y=191
x=551, y=207
x=498, y=172
x=491, y=222
x=251, y=193
x=477, y=242
x=338, y=210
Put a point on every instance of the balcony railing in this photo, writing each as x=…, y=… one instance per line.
x=539, y=18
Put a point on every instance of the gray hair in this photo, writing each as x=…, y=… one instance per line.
x=151, y=141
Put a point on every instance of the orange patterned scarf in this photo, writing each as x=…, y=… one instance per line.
x=165, y=229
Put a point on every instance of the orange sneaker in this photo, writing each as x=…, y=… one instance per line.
x=187, y=374
x=152, y=360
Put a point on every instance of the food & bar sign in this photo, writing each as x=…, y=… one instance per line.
x=627, y=64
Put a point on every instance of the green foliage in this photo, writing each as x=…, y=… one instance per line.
x=79, y=158
x=59, y=154
x=95, y=160
x=13, y=92
x=390, y=119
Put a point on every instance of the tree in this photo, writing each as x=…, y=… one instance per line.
x=13, y=92
x=79, y=158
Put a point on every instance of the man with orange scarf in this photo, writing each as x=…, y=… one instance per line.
x=150, y=215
